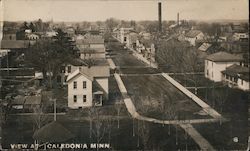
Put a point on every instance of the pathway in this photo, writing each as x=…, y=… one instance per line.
x=185, y=124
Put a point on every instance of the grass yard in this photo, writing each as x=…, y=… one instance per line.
x=149, y=93
x=141, y=70
x=222, y=136
x=130, y=136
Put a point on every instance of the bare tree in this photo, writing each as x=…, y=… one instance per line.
x=100, y=126
x=118, y=107
x=39, y=117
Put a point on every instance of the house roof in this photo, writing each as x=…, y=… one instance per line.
x=90, y=39
x=90, y=72
x=53, y=132
x=224, y=57
x=90, y=50
x=27, y=100
x=14, y=44
x=205, y=46
x=237, y=71
x=193, y=33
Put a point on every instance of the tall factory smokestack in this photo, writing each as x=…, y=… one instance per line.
x=178, y=19
x=159, y=15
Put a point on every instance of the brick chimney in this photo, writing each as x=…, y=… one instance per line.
x=178, y=19
x=159, y=15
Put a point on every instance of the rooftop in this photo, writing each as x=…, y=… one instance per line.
x=14, y=44
x=224, y=57
x=53, y=132
x=205, y=46
x=193, y=33
x=91, y=72
x=237, y=71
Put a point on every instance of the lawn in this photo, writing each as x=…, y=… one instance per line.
x=151, y=93
x=222, y=136
x=141, y=70
x=233, y=105
x=127, y=137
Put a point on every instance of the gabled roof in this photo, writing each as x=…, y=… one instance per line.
x=53, y=132
x=237, y=71
x=224, y=57
x=193, y=33
x=78, y=72
x=90, y=41
x=90, y=50
x=14, y=44
x=205, y=46
x=91, y=72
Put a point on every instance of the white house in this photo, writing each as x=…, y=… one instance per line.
x=217, y=62
x=32, y=36
x=238, y=36
x=236, y=76
x=4, y=52
x=193, y=35
x=88, y=86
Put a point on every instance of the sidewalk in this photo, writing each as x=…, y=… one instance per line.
x=185, y=124
x=201, y=103
x=201, y=141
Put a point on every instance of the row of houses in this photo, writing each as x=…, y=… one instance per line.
x=142, y=42
x=86, y=76
x=227, y=68
x=27, y=34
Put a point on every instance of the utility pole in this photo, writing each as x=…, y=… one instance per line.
x=54, y=109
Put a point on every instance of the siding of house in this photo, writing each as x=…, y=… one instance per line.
x=79, y=92
x=192, y=41
x=243, y=84
x=104, y=83
x=213, y=69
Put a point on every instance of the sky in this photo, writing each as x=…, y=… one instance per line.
x=93, y=10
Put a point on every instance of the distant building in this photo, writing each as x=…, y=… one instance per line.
x=88, y=87
x=193, y=35
x=122, y=34
x=236, y=76
x=91, y=47
x=27, y=103
x=204, y=47
x=32, y=36
x=11, y=36
x=4, y=52
x=218, y=62
x=239, y=36
x=147, y=48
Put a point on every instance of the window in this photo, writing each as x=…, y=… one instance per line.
x=69, y=69
x=241, y=82
x=207, y=73
x=125, y=39
x=212, y=74
x=84, y=85
x=75, y=98
x=212, y=64
x=84, y=98
x=75, y=85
